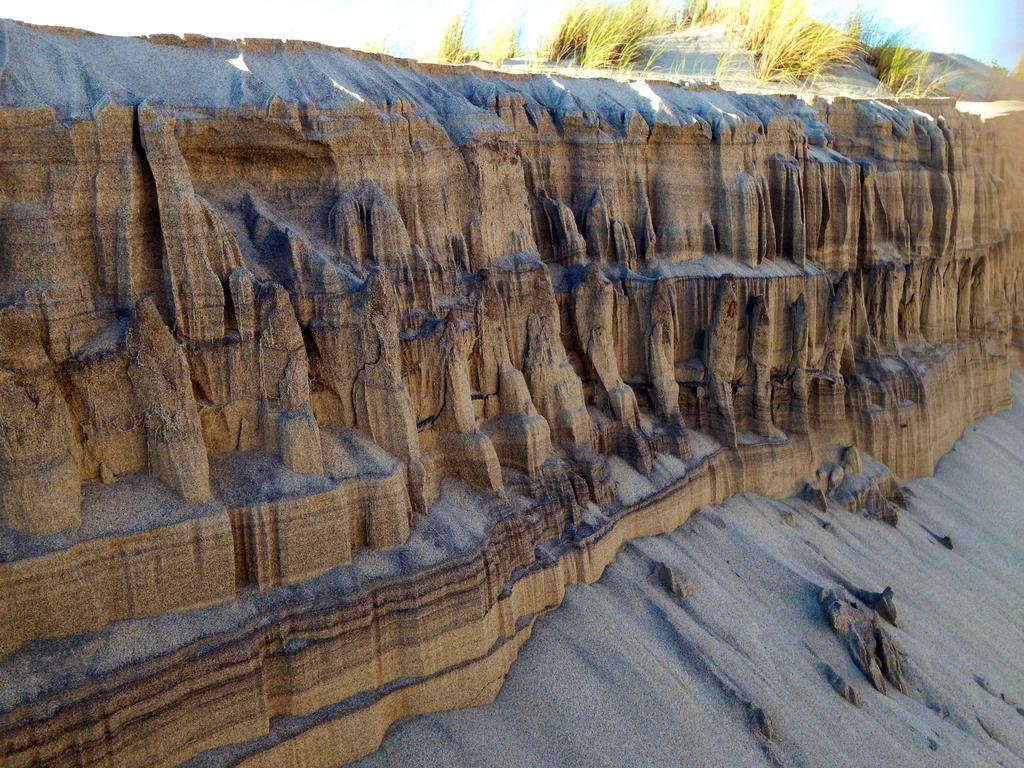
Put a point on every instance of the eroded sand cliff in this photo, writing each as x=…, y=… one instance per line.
x=625, y=673
x=324, y=373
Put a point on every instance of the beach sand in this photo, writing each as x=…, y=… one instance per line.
x=626, y=674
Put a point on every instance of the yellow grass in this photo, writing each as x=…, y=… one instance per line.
x=787, y=42
x=607, y=34
x=499, y=44
x=784, y=40
x=454, y=49
x=697, y=12
x=900, y=67
x=376, y=44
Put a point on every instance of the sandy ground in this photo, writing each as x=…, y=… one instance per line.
x=987, y=110
x=77, y=72
x=624, y=674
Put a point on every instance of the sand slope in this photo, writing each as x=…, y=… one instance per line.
x=626, y=674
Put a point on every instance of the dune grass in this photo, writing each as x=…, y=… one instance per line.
x=787, y=41
x=454, y=48
x=903, y=70
x=994, y=65
x=608, y=34
x=698, y=12
x=376, y=44
x=499, y=44
x=900, y=67
x=1018, y=72
x=784, y=39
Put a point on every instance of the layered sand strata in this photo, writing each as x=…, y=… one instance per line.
x=323, y=373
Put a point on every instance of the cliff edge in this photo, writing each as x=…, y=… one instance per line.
x=323, y=373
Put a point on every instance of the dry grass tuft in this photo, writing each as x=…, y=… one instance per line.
x=700, y=12
x=787, y=41
x=900, y=67
x=454, y=49
x=608, y=34
x=784, y=39
x=376, y=44
x=501, y=43
x=903, y=70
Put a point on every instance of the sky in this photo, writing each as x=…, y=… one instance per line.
x=985, y=29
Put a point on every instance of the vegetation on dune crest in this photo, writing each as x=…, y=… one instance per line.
x=903, y=70
x=900, y=67
x=454, y=49
x=500, y=43
x=783, y=37
x=376, y=44
x=787, y=41
x=698, y=12
x=608, y=34
x=994, y=64
x=1019, y=71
